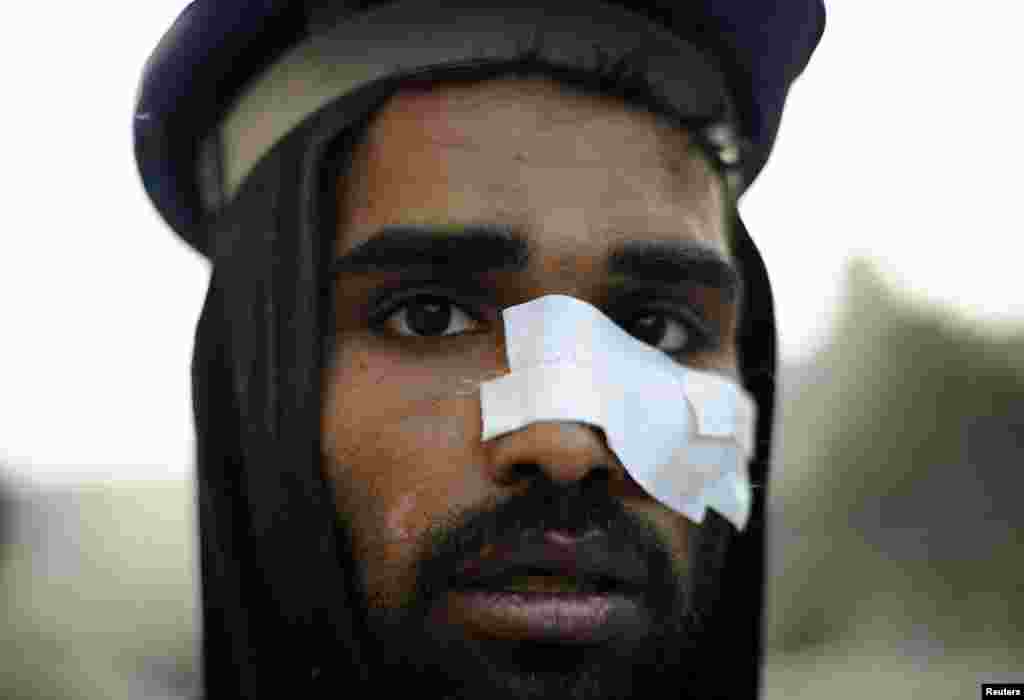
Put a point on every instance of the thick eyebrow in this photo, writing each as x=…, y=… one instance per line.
x=671, y=262
x=478, y=248
x=473, y=248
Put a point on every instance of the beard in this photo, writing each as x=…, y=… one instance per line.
x=403, y=647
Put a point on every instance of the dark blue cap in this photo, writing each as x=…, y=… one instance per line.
x=216, y=47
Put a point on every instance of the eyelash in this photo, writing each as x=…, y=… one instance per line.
x=700, y=337
x=386, y=308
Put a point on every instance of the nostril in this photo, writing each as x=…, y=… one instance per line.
x=598, y=475
x=523, y=471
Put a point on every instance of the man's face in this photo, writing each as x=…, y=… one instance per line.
x=532, y=563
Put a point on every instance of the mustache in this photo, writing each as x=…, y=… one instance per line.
x=630, y=544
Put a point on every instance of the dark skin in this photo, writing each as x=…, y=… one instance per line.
x=575, y=177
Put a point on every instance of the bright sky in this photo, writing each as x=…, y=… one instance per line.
x=900, y=143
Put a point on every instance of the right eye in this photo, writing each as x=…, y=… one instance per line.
x=428, y=316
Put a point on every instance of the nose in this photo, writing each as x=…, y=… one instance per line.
x=564, y=452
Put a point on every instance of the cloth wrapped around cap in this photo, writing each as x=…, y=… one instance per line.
x=216, y=47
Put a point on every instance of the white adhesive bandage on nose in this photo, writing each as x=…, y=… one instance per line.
x=684, y=435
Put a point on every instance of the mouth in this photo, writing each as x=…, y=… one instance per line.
x=544, y=582
x=551, y=590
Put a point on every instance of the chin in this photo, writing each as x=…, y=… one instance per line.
x=444, y=661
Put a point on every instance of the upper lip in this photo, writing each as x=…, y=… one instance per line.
x=590, y=559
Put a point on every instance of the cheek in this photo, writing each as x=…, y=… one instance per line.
x=402, y=452
x=433, y=469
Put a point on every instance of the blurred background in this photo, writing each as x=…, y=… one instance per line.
x=888, y=221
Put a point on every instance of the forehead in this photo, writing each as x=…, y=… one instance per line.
x=572, y=171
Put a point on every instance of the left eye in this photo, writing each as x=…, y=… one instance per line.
x=665, y=332
x=428, y=316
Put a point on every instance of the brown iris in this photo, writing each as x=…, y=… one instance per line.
x=428, y=316
x=650, y=328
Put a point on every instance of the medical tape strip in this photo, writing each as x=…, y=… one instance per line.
x=684, y=435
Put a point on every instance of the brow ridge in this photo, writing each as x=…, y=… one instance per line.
x=470, y=248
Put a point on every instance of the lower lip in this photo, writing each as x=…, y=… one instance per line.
x=568, y=618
